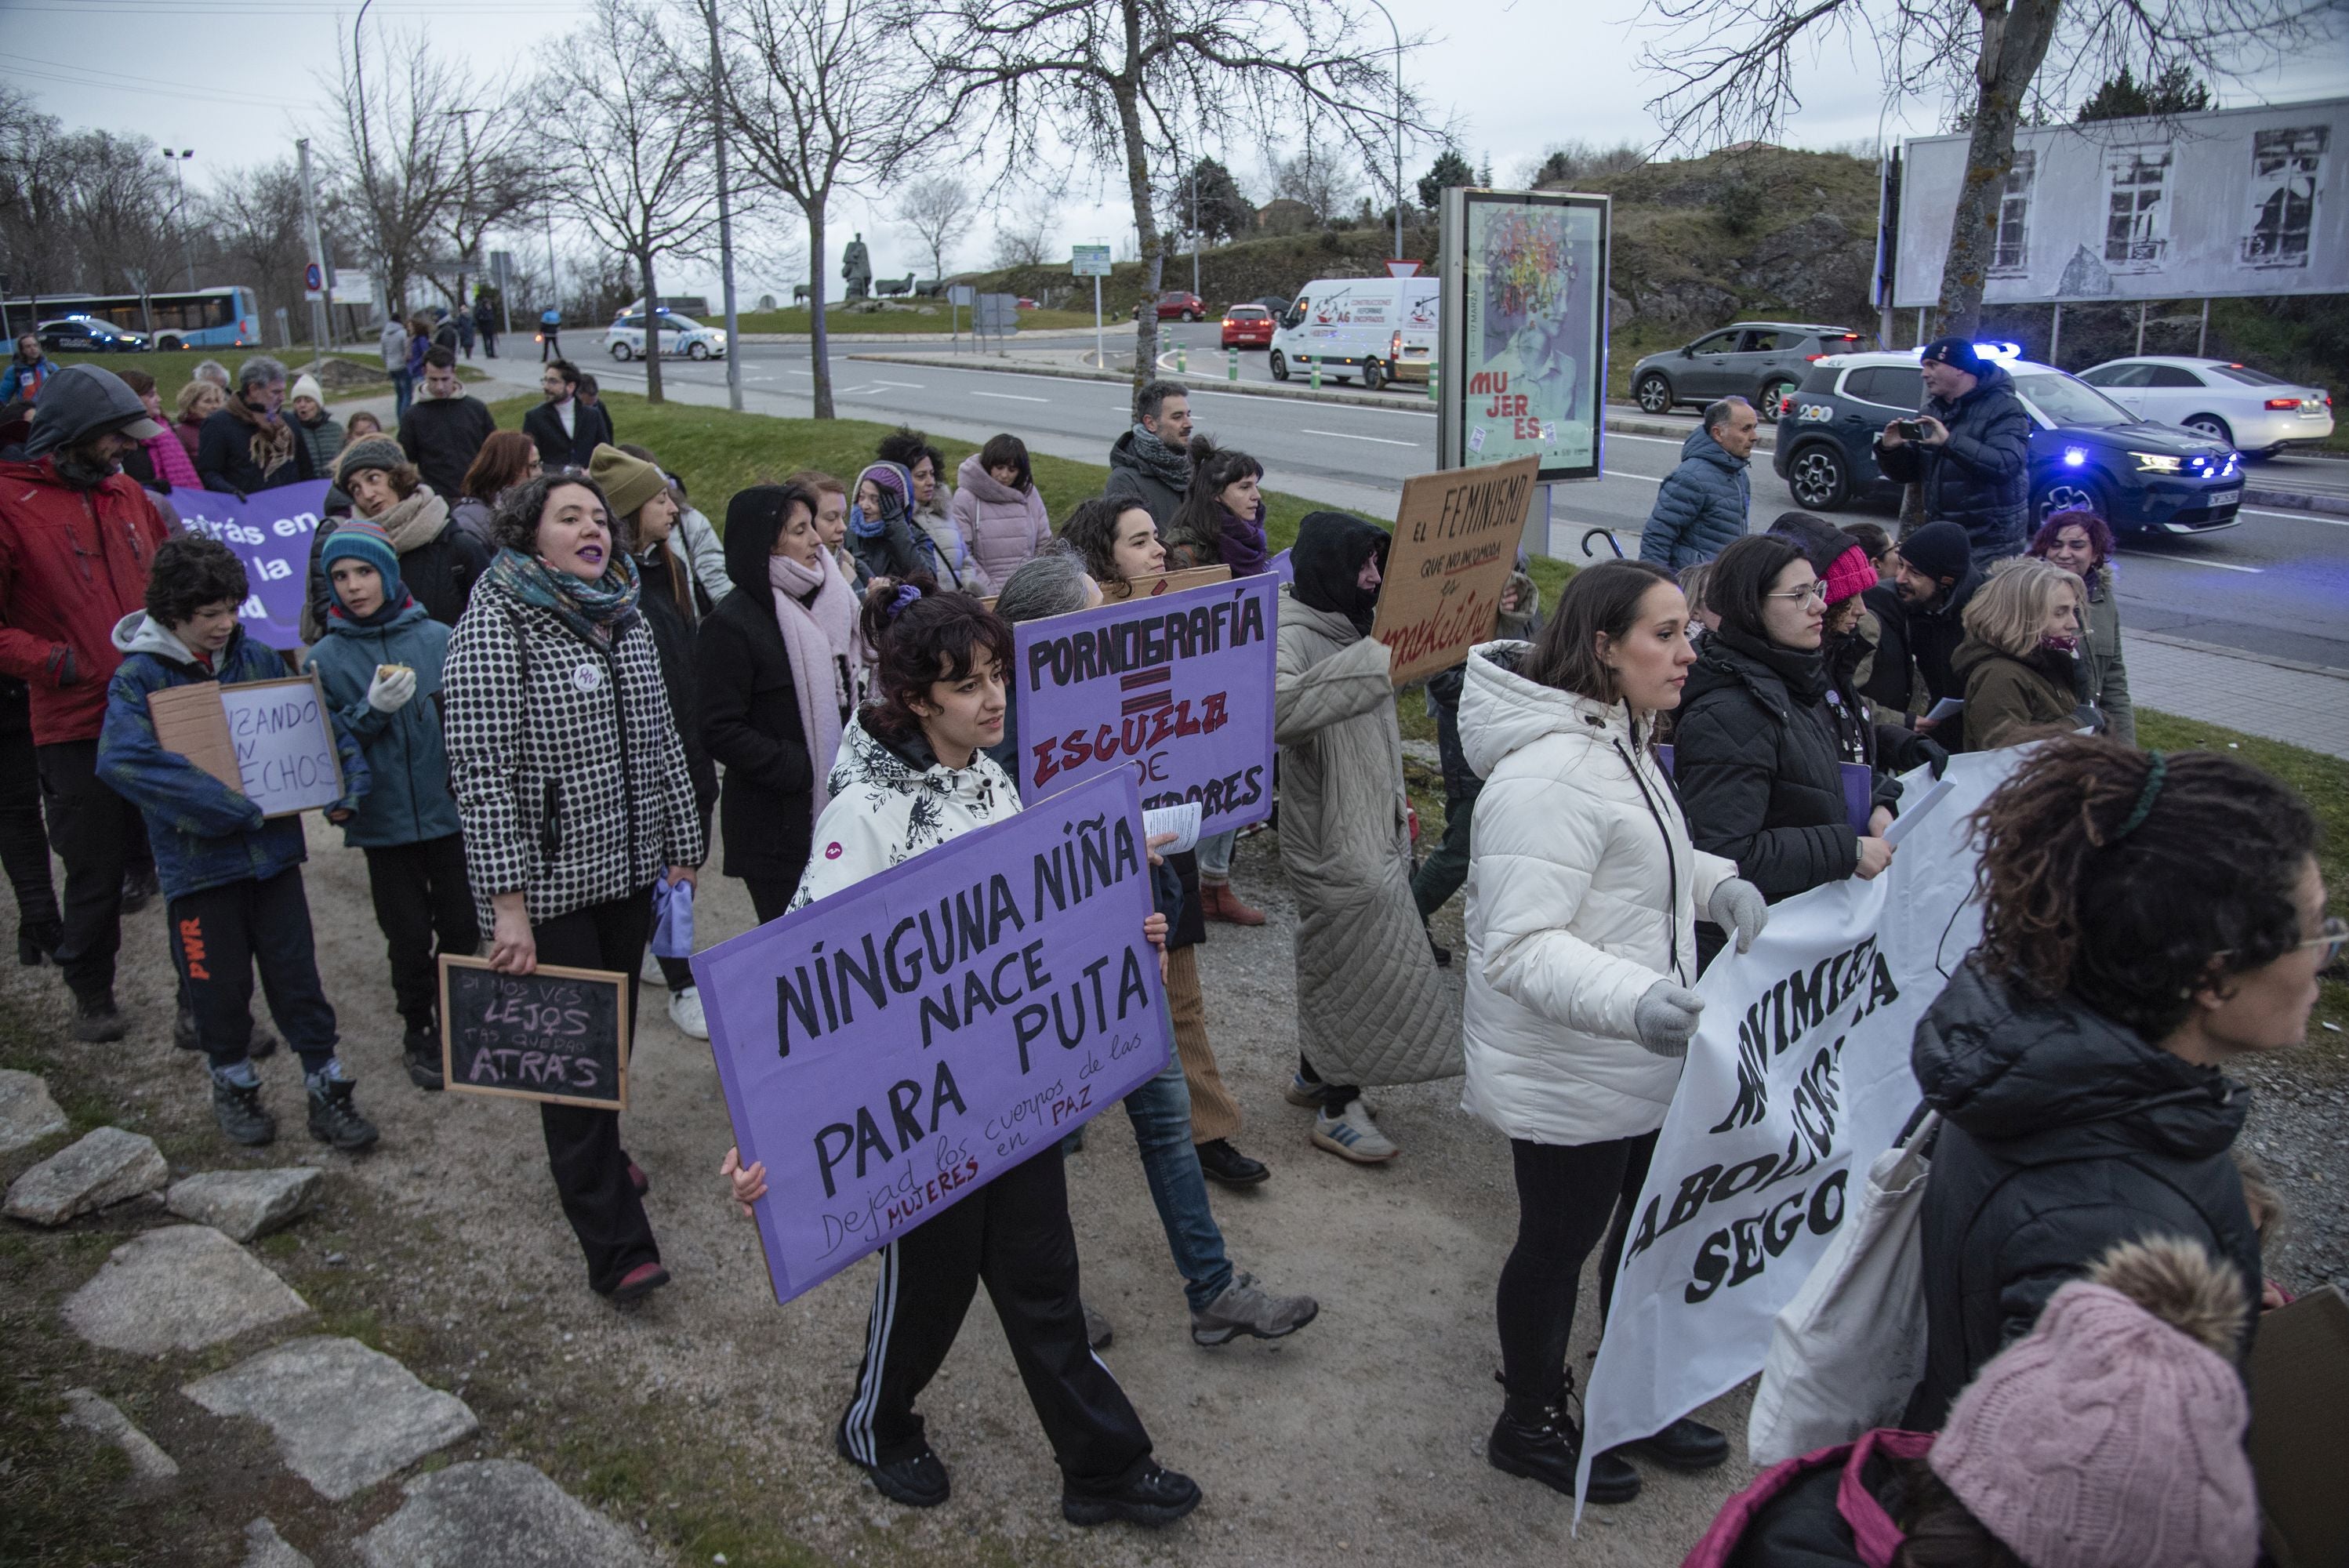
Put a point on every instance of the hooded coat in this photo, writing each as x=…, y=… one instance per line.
x=1980, y=477
x=1371, y=1008
x=893, y=549
x=410, y=802
x=2062, y=1133
x=1583, y=892
x=1701, y=507
x=1834, y=1508
x=1003, y=528
x=2008, y=698
x=2100, y=655
x=1135, y=483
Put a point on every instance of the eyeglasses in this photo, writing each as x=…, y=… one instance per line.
x=2331, y=938
x=1815, y=593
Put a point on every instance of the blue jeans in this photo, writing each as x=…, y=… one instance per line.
x=403, y=387
x=1161, y=1111
x=1216, y=855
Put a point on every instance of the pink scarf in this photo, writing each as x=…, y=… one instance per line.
x=171, y=464
x=827, y=660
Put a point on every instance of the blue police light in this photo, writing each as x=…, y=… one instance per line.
x=1999, y=353
x=2074, y=456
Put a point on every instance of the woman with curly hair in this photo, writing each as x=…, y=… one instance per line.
x=2147, y=917
x=2081, y=542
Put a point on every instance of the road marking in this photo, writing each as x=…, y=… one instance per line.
x=2297, y=517
x=1006, y=397
x=1659, y=440
x=2181, y=561
x=1342, y=435
x=1643, y=478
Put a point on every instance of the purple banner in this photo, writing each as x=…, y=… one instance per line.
x=889, y=1050
x=270, y=531
x=1176, y=690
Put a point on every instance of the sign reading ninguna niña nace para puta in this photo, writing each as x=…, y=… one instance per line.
x=888, y=1050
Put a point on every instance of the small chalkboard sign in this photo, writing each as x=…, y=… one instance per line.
x=554, y=1034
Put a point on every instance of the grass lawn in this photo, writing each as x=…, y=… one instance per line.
x=173, y=371
x=926, y=317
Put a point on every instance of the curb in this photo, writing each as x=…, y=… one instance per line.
x=2299, y=500
x=834, y=339
x=2220, y=650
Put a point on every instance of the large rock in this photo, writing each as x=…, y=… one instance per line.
x=106, y=1166
x=345, y=1417
x=241, y=1204
x=179, y=1288
x=151, y=1470
x=28, y=1114
x=502, y=1512
x=265, y=1548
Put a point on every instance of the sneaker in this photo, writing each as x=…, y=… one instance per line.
x=1153, y=1497
x=1353, y=1136
x=243, y=1117
x=1098, y=1332
x=96, y=1022
x=1244, y=1307
x=638, y=1282
x=919, y=1481
x=685, y=1011
x=1685, y=1445
x=1546, y=1445
x=1219, y=1161
x=649, y=972
x=1302, y=1093
x=335, y=1120
x=138, y=889
x=420, y=1053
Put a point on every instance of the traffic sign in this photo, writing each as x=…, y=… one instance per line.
x=1089, y=260
x=313, y=278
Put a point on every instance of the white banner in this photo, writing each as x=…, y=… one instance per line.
x=1797, y=1077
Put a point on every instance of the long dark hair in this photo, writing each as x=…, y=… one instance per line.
x=921, y=634
x=1197, y=526
x=1597, y=600
x=1742, y=574
x=1004, y=451
x=1090, y=529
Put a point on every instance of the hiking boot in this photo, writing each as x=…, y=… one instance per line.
x=1219, y=1161
x=1352, y=1135
x=685, y=1011
x=420, y=1053
x=243, y=1117
x=638, y=1282
x=1685, y=1445
x=1244, y=1306
x=1098, y=1332
x=96, y=1022
x=1155, y=1496
x=1218, y=902
x=1544, y=1444
x=919, y=1481
x=335, y=1120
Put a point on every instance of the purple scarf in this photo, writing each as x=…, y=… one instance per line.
x=827, y=664
x=1241, y=541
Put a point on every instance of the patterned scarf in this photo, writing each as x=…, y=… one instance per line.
x=271, y=445
x=601, y=611
x=1173, y=468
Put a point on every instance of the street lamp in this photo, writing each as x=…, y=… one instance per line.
x=1398, y=125
x=179, y=161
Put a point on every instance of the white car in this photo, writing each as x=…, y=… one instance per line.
x=2248, y=410
x=625, y=339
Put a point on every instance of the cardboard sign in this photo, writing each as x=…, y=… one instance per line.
x=2300, y=1429
x=272, y=741
x=555, y=1035
x=890, y=1049
x=270, y=530
x=1175, y=689
x=1455, y=544
x=1118, y=589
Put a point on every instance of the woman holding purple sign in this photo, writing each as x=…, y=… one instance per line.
x=913, y=775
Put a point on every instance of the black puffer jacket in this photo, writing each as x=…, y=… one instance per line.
x=674, y=630
x=1922, y=641
x=1980, y=477
x=2062, y=1133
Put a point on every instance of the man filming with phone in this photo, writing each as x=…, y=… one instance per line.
x=1970, y=448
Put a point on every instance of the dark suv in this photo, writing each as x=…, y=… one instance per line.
x=1761, y=360
x=2086, y=450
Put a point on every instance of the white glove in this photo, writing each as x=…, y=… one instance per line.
x=1665, y=1017
x=390, y=689
x=1738, y=905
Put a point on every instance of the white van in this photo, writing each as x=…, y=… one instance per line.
x=1350, y=326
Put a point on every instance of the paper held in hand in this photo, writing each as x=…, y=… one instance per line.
x=271, y=741
x=1455, y=543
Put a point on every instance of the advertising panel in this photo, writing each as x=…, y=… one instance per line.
x=1524, y=330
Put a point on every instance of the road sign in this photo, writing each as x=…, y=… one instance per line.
x=961, y=293
x=998, y=314
x=314, y=277
x=1089, y=260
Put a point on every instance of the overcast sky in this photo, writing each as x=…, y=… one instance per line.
x=237, y=80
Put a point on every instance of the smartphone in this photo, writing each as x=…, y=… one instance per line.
x=1910, y=430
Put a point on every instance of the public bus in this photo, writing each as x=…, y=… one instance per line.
x=228, y=317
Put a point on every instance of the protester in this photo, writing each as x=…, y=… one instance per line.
x=1703, y=503
x=1116, y=541
x=78, y=538
x=420, y=344
x=1876, y=545
x=380, y=664
x=998, y=511
x=932, y=511
x=199, y=400
x=439, y=563
x=312, y=423
x=1584, y=889
x=880, y=530
x=160, y=462
x=644, y=512
x=463, y=319
x=1974, y=460
x=358, y=428
x=2147, y=918
x=2113, y=1432
x=781, y=669
x=2020, y=658
x=914, y=775
x=1220, y=521
x=249, y=445
x=1695, y=583
x=507, y=459
x=566, y=830
x=443, y=430
x=392, y=341
x=1151, y=463
x=444, y=332
x=2081, y=542
x=590, y=396
x=1370, y=1008
x=485, y=324
x=566, y=431
x=700, y=554
x=24, y=842
x=1920, y=620
x=214, y=371
x=28, y=371
x=233, y=880
x=831, y=524
x=550, y=335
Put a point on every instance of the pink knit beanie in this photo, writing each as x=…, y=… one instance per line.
x=2111, y=1436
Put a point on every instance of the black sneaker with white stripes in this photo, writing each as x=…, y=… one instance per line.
x=917, y=1481
x=1151, y=1496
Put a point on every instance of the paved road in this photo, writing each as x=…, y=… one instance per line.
x=2278, y=585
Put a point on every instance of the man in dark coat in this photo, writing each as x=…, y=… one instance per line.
x=1150, y=465
x=443, y=430
x=1974, y=460
x=1701, y=506
x=566, y=431
x=248, y=444
x=1920, y=616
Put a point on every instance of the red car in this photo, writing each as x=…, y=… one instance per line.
x=1247, y=326
x=1177, y=306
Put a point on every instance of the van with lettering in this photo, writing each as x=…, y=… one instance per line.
x=1348, y=327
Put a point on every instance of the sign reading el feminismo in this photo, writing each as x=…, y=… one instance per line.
x=269, y=532
x=890, y=1049
x=1523, y=347
x=1455, y=544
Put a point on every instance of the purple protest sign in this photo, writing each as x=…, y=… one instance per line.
x=1176, y=690
x=270, y=531
x=891, y=1049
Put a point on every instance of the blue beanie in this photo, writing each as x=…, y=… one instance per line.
x=356, y=538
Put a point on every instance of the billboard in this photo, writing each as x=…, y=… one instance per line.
x=1523, y=351
x=2192, y=206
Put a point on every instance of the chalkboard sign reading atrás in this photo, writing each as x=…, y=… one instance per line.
x=554, y=1034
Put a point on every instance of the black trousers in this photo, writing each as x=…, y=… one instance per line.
x=420, y=892
x=219, y=936
x=24, y=842
x=770, y=896
x=1013, y=1235
x=1335, y=1097
x=550, y=345
x=93, y=831
x=583, y=1144
x=1568, y=1196
x=490, y=345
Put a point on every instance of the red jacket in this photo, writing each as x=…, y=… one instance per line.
x=72, y=563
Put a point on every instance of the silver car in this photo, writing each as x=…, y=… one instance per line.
x=1761, y=360
x=2248, y=410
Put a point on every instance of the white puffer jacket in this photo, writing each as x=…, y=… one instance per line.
x=885, y=809
x=1583, y=890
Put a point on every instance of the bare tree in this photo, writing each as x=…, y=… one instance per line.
x=1024, y=238
x=1125, y=83
x=497, y=177
x=254, y=218
x=116, y=209
x=397, y=152
x=630, y=153
x=1730, y=73
x=936, y=210
x=36, y=247
x=1324, y=184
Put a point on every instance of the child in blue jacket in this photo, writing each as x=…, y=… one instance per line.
x=380, y=662
x=232, y=881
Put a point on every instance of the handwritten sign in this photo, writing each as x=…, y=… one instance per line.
x=269, y=532
x=555, y=1035
x=892, y=1049
x=1176, y=689
x=271, y=741
x=1455, y=544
